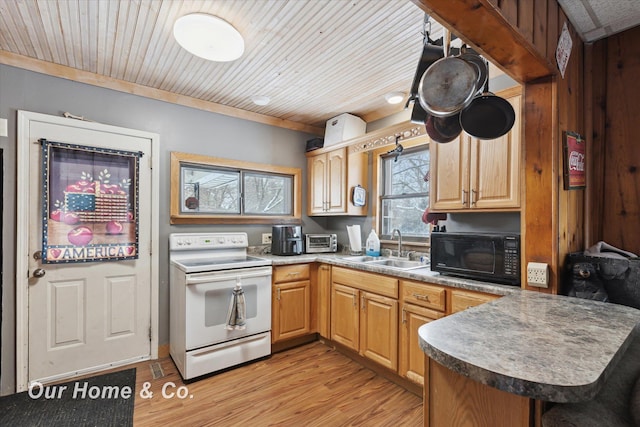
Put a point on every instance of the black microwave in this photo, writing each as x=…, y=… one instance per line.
x=490, y=257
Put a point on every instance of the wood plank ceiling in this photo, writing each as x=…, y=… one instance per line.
x=315, y=59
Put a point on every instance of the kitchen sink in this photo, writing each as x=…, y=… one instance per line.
x=363, y=258
x=402, y=264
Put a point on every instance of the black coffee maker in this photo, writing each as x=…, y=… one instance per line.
x=286, y=240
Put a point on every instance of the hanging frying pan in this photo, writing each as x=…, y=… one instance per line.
x=443, y=129
x=448, y=85
x=478, y=61
x=488, y=116
x=430, y=54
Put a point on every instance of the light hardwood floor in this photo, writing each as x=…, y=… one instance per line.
x=311, y=385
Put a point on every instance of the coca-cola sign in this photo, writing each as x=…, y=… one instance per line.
x=574, y=161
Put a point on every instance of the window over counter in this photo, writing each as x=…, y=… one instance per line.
x=212, y=190
x=403, y=191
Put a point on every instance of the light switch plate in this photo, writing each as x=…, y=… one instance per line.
x=538, y=274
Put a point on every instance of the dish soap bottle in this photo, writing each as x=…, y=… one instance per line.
x=373, y=244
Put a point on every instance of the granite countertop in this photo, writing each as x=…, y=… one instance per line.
x=420, y=274
x=547, y=347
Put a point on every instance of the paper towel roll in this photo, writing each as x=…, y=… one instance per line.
x=355, y=238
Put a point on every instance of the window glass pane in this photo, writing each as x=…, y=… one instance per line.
x=405, y=214
x=207, y=190
x=407, y=175
x=268, y=194
x=405, y=193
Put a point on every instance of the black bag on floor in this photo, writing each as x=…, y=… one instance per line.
x=604, y=279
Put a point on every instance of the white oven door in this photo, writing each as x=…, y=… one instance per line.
x=207, y=305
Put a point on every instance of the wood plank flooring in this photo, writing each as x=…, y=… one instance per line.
x=311, y=385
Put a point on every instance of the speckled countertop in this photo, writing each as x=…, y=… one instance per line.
x=547, y=347
x=420, y=275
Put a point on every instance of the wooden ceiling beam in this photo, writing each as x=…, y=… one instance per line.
x=482, y=25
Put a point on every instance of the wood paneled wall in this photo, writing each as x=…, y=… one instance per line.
x=614, y=194
x=521, y=37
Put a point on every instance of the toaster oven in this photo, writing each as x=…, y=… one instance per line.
x=318, y=243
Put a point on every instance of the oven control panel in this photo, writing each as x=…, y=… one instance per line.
x=192, y=241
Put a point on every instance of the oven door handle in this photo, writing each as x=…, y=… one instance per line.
x=222, y=276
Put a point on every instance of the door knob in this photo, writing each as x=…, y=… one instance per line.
x=38, y=272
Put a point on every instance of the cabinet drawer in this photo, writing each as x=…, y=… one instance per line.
x=461, y=300
x=288, y=273
x=376, y=283
x=422, y=294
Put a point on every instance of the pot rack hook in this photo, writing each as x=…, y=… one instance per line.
x=397, y=150
x=426, y=33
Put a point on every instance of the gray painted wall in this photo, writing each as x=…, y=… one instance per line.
x=180, y=128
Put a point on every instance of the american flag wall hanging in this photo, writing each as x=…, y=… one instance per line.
x=90, y=203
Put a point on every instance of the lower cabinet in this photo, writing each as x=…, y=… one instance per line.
x=345, y=316
x=291, y=302
x=362, y=320
x=411, y=355
x=323, y=280
x=378, y=329
x=421, y=303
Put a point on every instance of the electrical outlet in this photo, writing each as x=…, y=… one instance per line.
x=266, y=238
x=538, y=274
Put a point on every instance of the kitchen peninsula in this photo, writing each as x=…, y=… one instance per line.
x=486, y=363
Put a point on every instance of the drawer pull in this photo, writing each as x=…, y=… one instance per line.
x=293, y=273
x=421, y=297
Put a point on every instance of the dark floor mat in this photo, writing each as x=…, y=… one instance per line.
x=97, y=401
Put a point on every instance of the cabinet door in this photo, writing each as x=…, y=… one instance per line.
x=379, y=329
x=317, y=169
x=324, y=300
x=336, y=191
x=292, y=310
x=344, y=316
x=412, y=358
x=449, y=185
x=495, y=168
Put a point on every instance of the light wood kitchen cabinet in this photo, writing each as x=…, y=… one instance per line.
x=379, y=329
x=462, y=300
x=473, y=174
x=411, y=355
x=332, y=175
x=345, y=316
x=364, y=314
x=324, y=300
x=291, y=302
x=421, y=303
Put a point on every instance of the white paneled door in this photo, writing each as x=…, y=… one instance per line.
x=84, y=317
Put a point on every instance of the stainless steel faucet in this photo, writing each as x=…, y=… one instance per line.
x=393, y=233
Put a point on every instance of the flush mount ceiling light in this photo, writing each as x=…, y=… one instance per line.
x=208, y=37
x=260, y=99
x=394, y=97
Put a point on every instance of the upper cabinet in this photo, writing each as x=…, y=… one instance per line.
x=472, y=174
x=332, y=175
